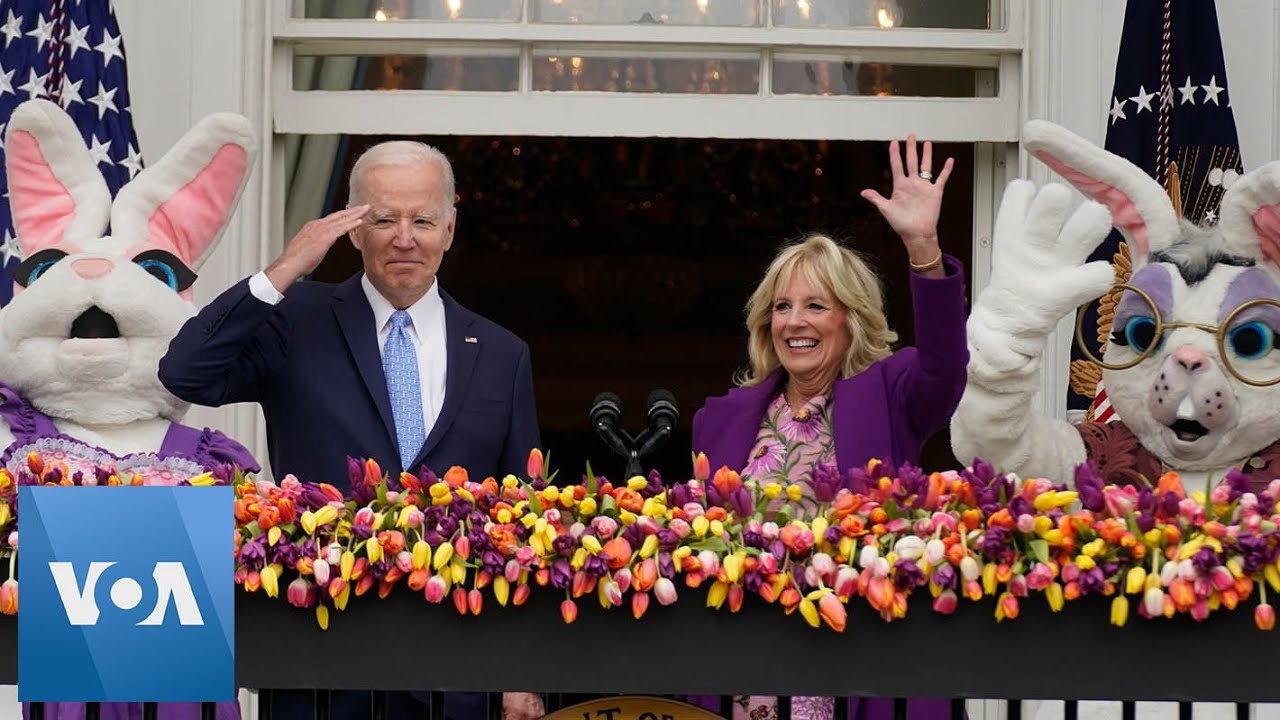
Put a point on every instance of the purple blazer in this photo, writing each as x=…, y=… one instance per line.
x=888, y=410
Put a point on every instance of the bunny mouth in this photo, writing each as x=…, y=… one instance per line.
x=94, y=324
x=1188, y=430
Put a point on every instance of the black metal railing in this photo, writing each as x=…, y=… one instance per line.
x=687, y=649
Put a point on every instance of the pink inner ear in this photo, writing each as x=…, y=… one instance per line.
x=1266, y=223
x=42, y=206
x=1124, y=214
x=187, y=222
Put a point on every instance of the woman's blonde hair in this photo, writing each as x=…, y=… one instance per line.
x=853, y=284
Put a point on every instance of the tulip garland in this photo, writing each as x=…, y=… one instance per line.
x=879, y=534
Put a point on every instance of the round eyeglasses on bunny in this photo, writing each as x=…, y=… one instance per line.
x=1245, y=337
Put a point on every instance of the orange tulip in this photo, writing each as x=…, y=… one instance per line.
x=460, y=600
x=832, y=611
x=639, y=604
x=617, y=552
x=456, y=477
x=533, y=467
x=372, y=473
x=568, y=611
x=9, y=596
x=727, y=481
x=701, y=468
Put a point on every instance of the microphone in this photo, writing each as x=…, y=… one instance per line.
x=661, y=420
x=604, y=415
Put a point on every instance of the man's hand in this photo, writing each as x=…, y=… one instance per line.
x=309, y=246
x=522, y=706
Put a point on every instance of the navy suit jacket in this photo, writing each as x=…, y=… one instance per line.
x=313, y=363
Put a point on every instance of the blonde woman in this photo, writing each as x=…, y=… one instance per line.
x=825, y=389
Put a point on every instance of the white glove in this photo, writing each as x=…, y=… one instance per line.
x=1039, y=273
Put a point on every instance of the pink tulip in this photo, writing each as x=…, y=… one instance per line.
x=321, y=570
x=665, y=591
x=1221, y=578
x=623, y=579
x=946, y=602
x=709, y=561
x=680, y=528
x=846, y=583
x=404, y=561
x=301, y=593
x=511, y=571
x=435, y=589
x=1200, y=610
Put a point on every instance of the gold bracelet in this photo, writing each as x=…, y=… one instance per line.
x=936, y=262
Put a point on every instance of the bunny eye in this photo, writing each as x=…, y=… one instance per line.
x=33, y=267
x=166, y=268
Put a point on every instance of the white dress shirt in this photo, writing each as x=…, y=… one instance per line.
x=427, y=334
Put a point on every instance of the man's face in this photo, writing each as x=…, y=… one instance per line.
x=407, y=231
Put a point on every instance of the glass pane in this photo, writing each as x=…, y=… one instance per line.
x=625, y=262
x=848, y=77
x=964, y=14
x=413, y=9
x=497, y=72
x=648, y=12
x=699, y=76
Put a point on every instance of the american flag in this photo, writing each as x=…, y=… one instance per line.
x=1169, y=114
x=70, y=52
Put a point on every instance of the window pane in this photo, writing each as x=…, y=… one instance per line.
x=413, y=9
x=854, y=77
x=653, y=12
x=496, y=72
x=965, y=14
x=616, y=73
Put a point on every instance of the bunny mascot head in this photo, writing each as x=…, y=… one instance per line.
x=1194, y=354
x=93, y=311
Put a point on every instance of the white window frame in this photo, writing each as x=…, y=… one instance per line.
x=1020, y=53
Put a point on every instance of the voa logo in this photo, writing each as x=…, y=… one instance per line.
x=80, y=601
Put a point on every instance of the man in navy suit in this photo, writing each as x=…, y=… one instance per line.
x=385, y=365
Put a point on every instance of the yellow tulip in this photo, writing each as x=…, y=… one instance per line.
x=700, y=525
x=1119, y=610
x=202, y=480
x=716, y=595
x=501, y=589
x=637, y=483
x=626, y=517
x=458, y=569
x=308, y=521
x=819, y=527
x=373, y=549
x=345, y=563
x=579, y=559
x=326, y=515
x=539, y=547
x=679, y=554
x=1042, y=525
x=421, y=554
x=1085, y=563
x=340, y=602
x=1055, y=499
x=810, y=612
x=1054, y=595
x=270, y=578
x=587, y=507
x=716, y=528
x=989, y=583
x=528, y=520
x=649, y=547
x=442, y=555
x=510, y=481
x=438, y=490
x=1053, y=537
x=591, y=544
x=322, y=616
x=273, y=535
x=551, y=494
x=504, y=516
x=847, y=548
x=1273, y=577
x=1135, y=580
x=732, y=565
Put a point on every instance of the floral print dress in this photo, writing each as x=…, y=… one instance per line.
x=787, y=449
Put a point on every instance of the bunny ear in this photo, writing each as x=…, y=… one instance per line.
x=1249, y=217
x=55, y=189
x=183, y=203
x=1140, y=208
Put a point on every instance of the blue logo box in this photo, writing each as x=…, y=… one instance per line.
x=126, y=594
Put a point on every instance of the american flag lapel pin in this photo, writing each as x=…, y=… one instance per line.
x=470, y=339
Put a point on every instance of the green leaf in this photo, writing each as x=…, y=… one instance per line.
x=714, y=544
x=783, y=515
x=591, y=481
x=609, y=506
x=1040, y=548
x=534, y=503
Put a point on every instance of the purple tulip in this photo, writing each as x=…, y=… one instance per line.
x=907, y=575
x=561, y=574
x=564, y=545
x=253, y=553
x=826, y=482
x=743, y=506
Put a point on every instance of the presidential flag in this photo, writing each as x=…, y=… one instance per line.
x=69, y=52
x=1170, y=114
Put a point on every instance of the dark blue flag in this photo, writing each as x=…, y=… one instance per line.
x=1169, y=114
x=69, y=52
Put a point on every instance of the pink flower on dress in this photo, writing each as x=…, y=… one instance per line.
x=803, y=426
x=766, y=459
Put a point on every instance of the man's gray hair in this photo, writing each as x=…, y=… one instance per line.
x=400, y=152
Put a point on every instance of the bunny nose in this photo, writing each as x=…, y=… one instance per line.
x=90, y=268
x=1190, y=358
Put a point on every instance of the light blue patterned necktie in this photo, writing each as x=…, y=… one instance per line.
x=400, y=364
